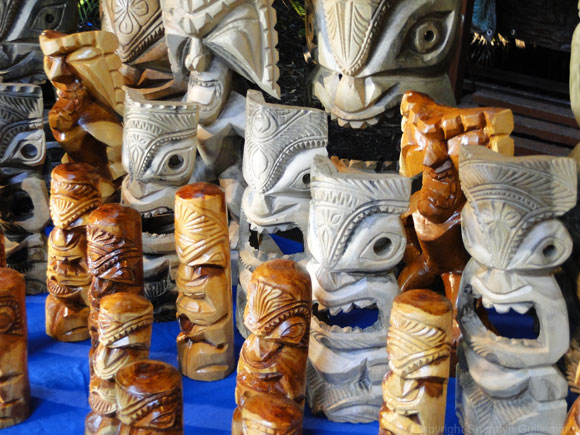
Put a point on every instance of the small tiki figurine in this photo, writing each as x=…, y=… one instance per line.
x=281, y=142
x=14, y=385
x=511, y=229
x=159, y=150
x=432, y=138
x=419, y=348
x=271, y=414
x=572, y=424
x=124, y=331
x=204, y=305
x=74, y=194
x=23, y=194
x=273, y=358
x=115, y=256
x=149, y=399
x=356, y=239
x=85, y=120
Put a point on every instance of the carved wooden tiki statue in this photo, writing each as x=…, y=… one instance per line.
x=23, y=195
x=273, y=358
x=14, y=385
x=204, y=305
x=356, y=239
x=74, y=194
x=369, y=53
x=281, y=142
x=419, y=348
x=511, y=230
x=159, y=150
x=149, y=399
x=85, y=120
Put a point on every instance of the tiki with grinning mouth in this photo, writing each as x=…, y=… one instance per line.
x=14, y=384
x=125, y=324
x=511, y=229
x=355, y=238
x=205, y=344
x=272, y=364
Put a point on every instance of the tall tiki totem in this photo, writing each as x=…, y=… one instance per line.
x=74, y=194
x=356, y=239
x=281, y=142
x=159, y=150
x=368, y=54
x=23, y=195
x=14, y=385
x=205, y=344
x=511, y=230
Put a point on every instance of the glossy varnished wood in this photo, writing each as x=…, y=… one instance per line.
x=2, y=250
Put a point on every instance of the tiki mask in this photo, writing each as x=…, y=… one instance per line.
x=125, y=323
x=355, y=240
x=149, y=399
x=419, y=348
x=432, y=138
x=14, y=386
x=74, y=194
x=281, y=142
x=23, y=193
x=84, y=69
x=511, y=230
x=273, y=358
x=159, y=155
x=21, y=22
x=269, y=414
x=204, y=306
x=369, y=53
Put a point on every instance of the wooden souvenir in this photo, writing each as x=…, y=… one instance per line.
x=85, y=120
x=432, y=138
x=21, y=22
x=159, y=150
x=355, y=239
x=205, y=344
x=149, y=399
x=511, y=230
x=368, y=54
x=271, y=414
x=2, y=250
x=273, y=358
x=125, y=324
x=419, y=348
x=572, y=424
x=74, y=194
x=281, y=142
x=14, y=385
x=23, y=194
x=115, y=256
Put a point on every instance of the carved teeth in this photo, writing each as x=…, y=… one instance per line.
x=486, y=303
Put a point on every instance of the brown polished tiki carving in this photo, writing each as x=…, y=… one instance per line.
x=419, y=347
x=572, y=424
x=273, y=358
x=204, y=305
x=149, y=399
x=432, y=137
x=14, y=385
x=124, y=336
x=74, y=194
x=2, y=250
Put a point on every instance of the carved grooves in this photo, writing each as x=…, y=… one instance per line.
x=8, y=9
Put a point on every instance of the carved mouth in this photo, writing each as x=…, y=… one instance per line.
x=60, y=290
x=158, y=222
x=353, y=317
x=16, y=205
x=19, y=261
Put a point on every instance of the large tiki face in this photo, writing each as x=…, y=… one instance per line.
x=369, y=53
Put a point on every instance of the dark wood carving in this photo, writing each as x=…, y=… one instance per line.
x=2, y=250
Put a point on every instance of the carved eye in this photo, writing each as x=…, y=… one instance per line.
x=49, y=17
x=302, y=181
x=427, y=35
x=292, y=330
x=28, y=148
x=175, y=162
x=381, y=247
x=7, y=317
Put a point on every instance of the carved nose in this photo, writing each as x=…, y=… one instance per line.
x=262, y=205
x=351, y=94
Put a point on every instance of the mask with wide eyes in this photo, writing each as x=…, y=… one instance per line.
x=49, y=17
x=26, y=149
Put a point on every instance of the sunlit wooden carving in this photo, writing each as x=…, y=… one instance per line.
x=270, y=414
x=369, y=53
x=204, y=306
x=85, y=120
x=14, y=385
x=355, y=239
x=419, y=348
x=74, y=194
x=511, y=229
x=23, y=194
x=572, y=424
x=159, y=150
x=125, y=323
x=432, y=138
x=273, y=358
x=149, y=399
x=21, y=22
